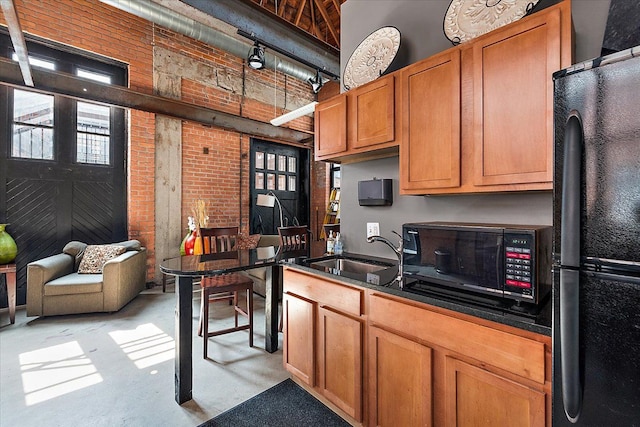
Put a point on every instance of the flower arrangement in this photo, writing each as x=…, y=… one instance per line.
x=192, y=242
x=199, y=212
x=201, y=220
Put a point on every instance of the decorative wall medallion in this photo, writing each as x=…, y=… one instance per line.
x=468, y=19
x=372, y=57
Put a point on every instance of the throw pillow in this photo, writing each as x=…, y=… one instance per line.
x=96, y=255
x=247, y=242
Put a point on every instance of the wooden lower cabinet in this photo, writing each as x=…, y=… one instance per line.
x=431, y=366
x=298, y=348
x=476, y=397
x=383, y=360
x=400, y=381
x=340, y=344
x=323, y=346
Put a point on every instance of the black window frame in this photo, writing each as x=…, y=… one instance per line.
x=68, y=60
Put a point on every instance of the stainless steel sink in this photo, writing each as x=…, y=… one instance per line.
x=338, y=265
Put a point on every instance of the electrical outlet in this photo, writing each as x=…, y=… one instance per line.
x=373, y=229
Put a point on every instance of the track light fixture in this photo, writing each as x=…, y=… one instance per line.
x=316, y=82
x=256, y=57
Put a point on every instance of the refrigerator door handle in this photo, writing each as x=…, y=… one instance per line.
x=570, y=263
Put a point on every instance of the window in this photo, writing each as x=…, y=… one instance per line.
x=86, y=74
x=335, y=175
x=55, y=128
x=37, y=62
x=92, y=144
x=32, y=126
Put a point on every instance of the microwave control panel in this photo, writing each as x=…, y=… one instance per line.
x=519, y=264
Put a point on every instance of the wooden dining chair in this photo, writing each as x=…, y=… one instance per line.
x=223, y=287
x=294, y=241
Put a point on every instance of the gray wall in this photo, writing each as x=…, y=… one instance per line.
x=420, y=24
x=523, y=208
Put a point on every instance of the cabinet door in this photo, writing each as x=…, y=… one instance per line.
x=476, y=397
x=340, y=360
x=400, y=381
x=430, y=147
x=371, y=113
x=331, y=127
x=513, y=102
x=298, y=345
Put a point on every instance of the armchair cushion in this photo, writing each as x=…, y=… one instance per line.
x=130, y=245
x=74, y=283
x=95, y=256
x=76, y=250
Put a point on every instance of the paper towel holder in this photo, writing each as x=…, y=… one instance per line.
x=375, y=192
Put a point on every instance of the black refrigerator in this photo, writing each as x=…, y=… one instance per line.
x=596, y=285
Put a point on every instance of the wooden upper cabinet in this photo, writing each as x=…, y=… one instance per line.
x=479, y=117
x=358, y=125
x=430, y=148
x=513, y=101
x=331, y=127
x=372, y=113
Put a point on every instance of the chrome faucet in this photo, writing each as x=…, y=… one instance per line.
x=397, y=250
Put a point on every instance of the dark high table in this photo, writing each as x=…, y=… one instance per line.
x=186, y=268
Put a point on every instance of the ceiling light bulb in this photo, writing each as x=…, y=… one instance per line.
x=256, y=57
x=316, y=82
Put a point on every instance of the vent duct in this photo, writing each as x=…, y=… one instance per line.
x=167, y=18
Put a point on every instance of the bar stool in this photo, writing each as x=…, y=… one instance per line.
x=223, y=287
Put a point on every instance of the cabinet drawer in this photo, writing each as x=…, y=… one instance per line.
x=342, y=297
x=512, y=353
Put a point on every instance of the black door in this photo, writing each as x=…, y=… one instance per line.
x=62, y=164
x=283, y=171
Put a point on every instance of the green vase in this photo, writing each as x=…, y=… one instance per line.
x=8, y=247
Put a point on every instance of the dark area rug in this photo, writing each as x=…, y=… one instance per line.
x=285, y=404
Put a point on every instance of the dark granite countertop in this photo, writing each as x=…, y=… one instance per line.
x=385, y=281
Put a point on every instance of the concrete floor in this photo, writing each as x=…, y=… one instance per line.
x=118, y=369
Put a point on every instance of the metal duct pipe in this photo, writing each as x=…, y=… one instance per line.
x=167, y=18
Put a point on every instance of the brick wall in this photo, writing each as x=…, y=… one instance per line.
x=220, y=174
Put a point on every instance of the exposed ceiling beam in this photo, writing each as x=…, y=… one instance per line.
x=17, y=39
x=283, y=4
x=337, y=6
x=251, y=18
x=74, y=87
x=300, y=10
x=325, y=16
x=313, y=29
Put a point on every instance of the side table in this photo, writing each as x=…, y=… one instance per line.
x=9, y=271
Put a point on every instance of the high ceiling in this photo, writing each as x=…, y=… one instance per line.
x=320, y=18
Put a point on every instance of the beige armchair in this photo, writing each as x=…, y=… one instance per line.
x=55, y=287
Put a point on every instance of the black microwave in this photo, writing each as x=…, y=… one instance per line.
x=510, y=262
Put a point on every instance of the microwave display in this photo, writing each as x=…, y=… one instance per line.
x=499, y=260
